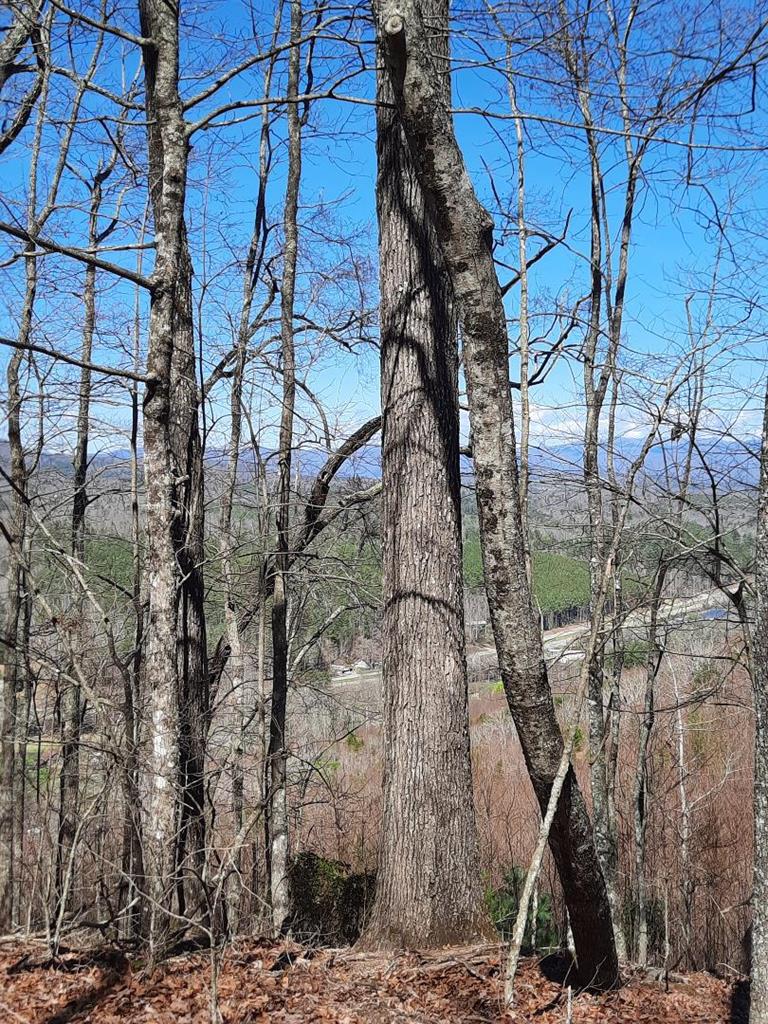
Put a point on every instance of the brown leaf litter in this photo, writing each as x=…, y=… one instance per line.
x=284, y=983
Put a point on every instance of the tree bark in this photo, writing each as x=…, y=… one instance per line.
x=11, y=671
x=603, y=694
x=428, y=886
x=276, y=819
x=24, y=17
x=758, y=1013
x=464, y=229
x=524, y=323
x=167, y=143
x=132, y=850
x=13, y=713
x=242, y=697
x=69, y=781
x=26, y=28
x=189, y=543
x=641, y=791
x=168, y=154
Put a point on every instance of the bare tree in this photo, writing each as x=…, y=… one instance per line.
x=464, y=230
x=16, y=639
x=276, y=780
x=168, y=155
x=758, y=1013
x=427, y=888
x=27, y=31
x=249, y=323
x=69, y=781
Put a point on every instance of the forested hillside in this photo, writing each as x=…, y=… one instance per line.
x=383, y=511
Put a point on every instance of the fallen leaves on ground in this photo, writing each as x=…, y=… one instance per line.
x=289, y=984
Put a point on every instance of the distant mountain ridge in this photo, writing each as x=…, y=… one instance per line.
x=732, y=463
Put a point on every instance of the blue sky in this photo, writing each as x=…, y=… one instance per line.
x=672, y=254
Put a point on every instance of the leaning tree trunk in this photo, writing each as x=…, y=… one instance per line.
x=465, y=232
x=758, y=1013
x=428, y=891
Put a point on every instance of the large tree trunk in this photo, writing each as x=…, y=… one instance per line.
x=276, y=818
x=24, y=16
x=228, y=550
x=465, y=232
x=167, y=145
x=189, y=541
x=13, y=682
x=132, y=861
x=11, y=671
x=428, y=887
x=641, y=789
x=758, y=1013
x=7, y=758
x=596, y=381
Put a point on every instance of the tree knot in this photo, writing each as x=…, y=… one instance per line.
x=394, y=24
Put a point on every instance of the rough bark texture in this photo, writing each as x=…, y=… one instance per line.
x=641, y=788
x=759, y=988
x=11, y=675
x=132, y=860
x=14, y=686
x=24, y=30
x=465, y=231
x=7, y=760
x=189, y=542
x=228, y=550
x=615, y=671
x=277, y=754
x=427, y=891
x=23, y=20
x=168, y=169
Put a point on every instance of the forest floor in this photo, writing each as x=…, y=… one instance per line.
x=289, y=984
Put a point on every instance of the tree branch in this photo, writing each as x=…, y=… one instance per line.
x=109, y=371
x=77, y=254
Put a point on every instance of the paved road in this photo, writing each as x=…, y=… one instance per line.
x=563, y=644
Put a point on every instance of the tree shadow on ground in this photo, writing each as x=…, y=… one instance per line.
x=559, y=967
x=740, y=1002
x=114, y=966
